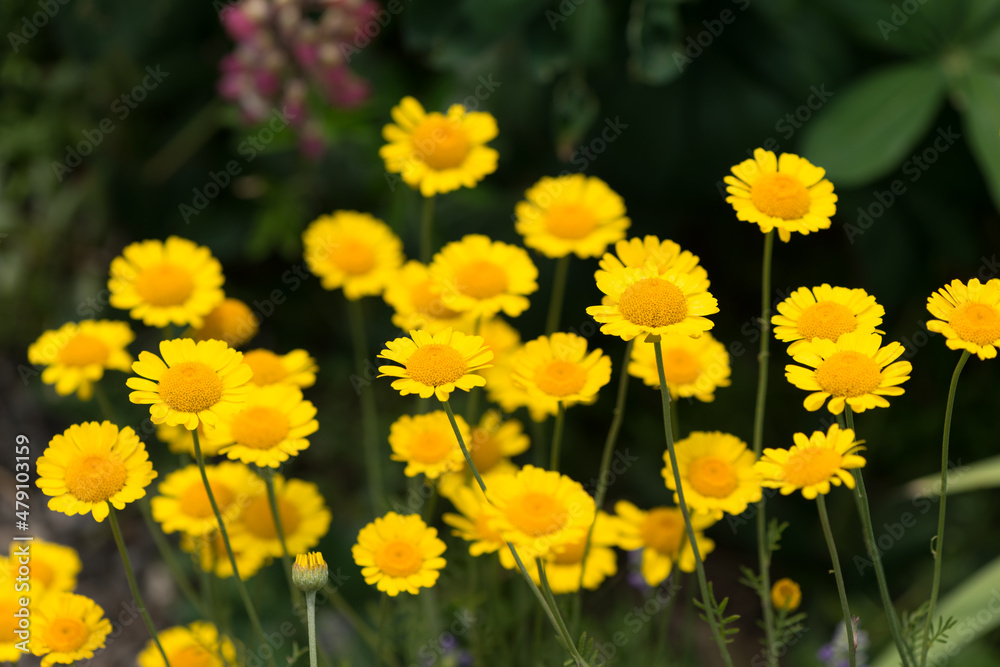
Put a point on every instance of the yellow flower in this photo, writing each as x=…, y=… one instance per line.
x=296, y=368
x=10, y=604
x=161, y=283
x=183, y=505
x=195, y=645
x=435, y=365
x=475, y=523
x=271, y=427
x=481, y=277
x=352, y=250
x=210, y=552
x=310, y=572
x=717, y=472
x=436, y=152
x=304, y=515
x=564, y=562
x=498, y=336
x=668, y=257
x=491, y=445
x=692, y=366
x=644, y=301
x=199, y=383
x=786, y=193
x=825, y=312
x=54, y=567
x=91, y=466
x=77, y=354
x=231, y=321
x=813, y=463
x=428, y=444
x=399, y=553
x=66, y=628
x=968, y=316
x=661, y=535
x=416, y=297
x=557, y=369
x=786, y=594
x=855, y=370
x=179, y=441
x=572, y=213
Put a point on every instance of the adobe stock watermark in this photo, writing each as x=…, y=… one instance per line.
x=30, y=27
x=433, y=650
x=900, y=14
x=566, y=9
x=634, y=621
x=696, y=44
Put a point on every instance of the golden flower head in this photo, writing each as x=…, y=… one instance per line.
x=310, y=572
x=825, y=312
x=416, y=297
x=54, y=568
x=716, y=471
x=968, y=314
x=197, y=644
x=77, y=354
x=427, y=444
x=435, y=365
x=296, y=368
x=210, y=552
x=354, y=251
x=271, y=427
x=813, y=463
x=67, y=628
x=399, y=553
x=786, y=595
x=564, y=563
x=665, y=255
x=557, y=369
x=474, y=524
x=692, y=366
x=305, y=519
x=232, y=322
x=661, y=534
x=182, y=504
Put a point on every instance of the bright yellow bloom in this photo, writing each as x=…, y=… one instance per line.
x=416, y=296
x=54, y=568
x=786, y=193
x=475, y=523
x=168, y=282
x=179, y=441
x=352, y=250
x=428, y=444
x=692, y=366
x=231, y=321
x=66, y=628
x=825, y=312
x=310, y=572
x=10, y=604
x=195, y=645
x=492, y=443
x=481, y=277
x=91, y=466
x=660, y=533
x=271, y=427
x=210, y=552
x=436, y=152
x=813, y=463
x=508, y=394
x=571, y=214
x=717, y=472
x=305, y=519
x=183, y=505
x=968, y=316
x=565, y=561
x=435, y=365
x=668, y=257
x=855, y=371
x=296, y=368
x=557, y=369
x=786, y=594
x=198, y=383
x=77, y=354
x=399, y=553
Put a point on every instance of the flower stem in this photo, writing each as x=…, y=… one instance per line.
x=702, y=580
x=939, y=544
x=311, y=626
x=167, y=553
x=427, y=230
x=383, y=622
x=557, y=436
x=133, y=587
x=369, y=414
x=824, y=519
x=286, y=559
x=558, y=295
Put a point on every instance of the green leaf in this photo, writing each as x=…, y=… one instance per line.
x=982, y=124
x=868, y=130
x=983, y=474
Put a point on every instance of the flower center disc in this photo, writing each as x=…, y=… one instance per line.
x=194, y=501
x=680, y=366
x=485, y=450
x=260, y=427
x=432, y=446
x=427, y=301
x=266, y=366
x=440, y=142
x=190, y=386
x=848, y=373
x=560, y=378
x=192, y=656
x=712, y=477
x=784, y=592
x=481, y=279
x=65, y=635
x=435, y=365
x=570, y=221
x=398, y=558
x=571, y=553
x=164, y=285
x=83, y=350
x=976, y=323
x=353, y=257
x=826, y=320
x=95, y=478
x=780, y=196
x=811, y=466
x=653, y=302
x=258, y=519
x=537, y=514
x=663, y=530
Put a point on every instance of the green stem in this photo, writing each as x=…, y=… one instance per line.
x=824, y=519
x=558, y=295
x=167, y=553
x=311, y=626
x=369, y=415
x=383, y=622
x=939, y=544
x=286, y=559
x=103, y=403
x=364, y=631
x=427, y=230
x=702, y=580
x=557, y=436
x=133, y=587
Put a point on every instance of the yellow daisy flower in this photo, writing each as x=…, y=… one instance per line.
x=296, y=368
x=427, y=444
x=179, y=441
x=305, y=519
x=717, y=473
x=77, y=354
x=475, y=523
x=481, y=277
x=198, y=644
x=232, y=322
x=271, y=427
x=786, y=594
x=491, y=445
x=498, y=336
x=436, y=152
x=557, y=369
x=668, y=257
x=564, y=562
x=352, y=250
x=661, y=534
x=968, y=316
x=644, y=301
x=786, y=193
x=571, y=214
x=692, y=366
x=416, y=297
x=91, y=466
x=183, y=505
x=66, y=628
x=10, y=604
x=168, y=282
x=210, y=553
x=813, y=463
x=435, y=365
x=54, y=567
x=399, y=553
x=855, y=370
x=194, y=383
x=825, y=312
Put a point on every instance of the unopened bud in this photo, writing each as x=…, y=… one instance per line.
x=310, y=571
